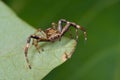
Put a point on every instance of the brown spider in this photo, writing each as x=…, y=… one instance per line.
x=51, y=34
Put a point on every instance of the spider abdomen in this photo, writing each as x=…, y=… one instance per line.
x=52, y=34
x=54, y=37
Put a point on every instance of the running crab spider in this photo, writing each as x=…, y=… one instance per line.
x=51, y=34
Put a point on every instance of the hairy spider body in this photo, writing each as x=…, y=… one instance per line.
x=51, y=34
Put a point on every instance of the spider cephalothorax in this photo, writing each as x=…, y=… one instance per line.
x=51, y=34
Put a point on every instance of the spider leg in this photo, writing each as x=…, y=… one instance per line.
x=38, y=39
x=70, y=33
x=81, y=28
x=76, y=34
x=38, y=30
x=27, y=46
x=53, y=25
x=26, y=51
x=35, y=43
x=60, y=24
x=66, y=27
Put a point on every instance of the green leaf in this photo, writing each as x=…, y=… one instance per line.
x=13, y=35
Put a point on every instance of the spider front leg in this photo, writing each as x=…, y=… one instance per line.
x=64, y=29
x=37, y=39
x=27, y=47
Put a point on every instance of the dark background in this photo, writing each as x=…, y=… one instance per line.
x=99, y=58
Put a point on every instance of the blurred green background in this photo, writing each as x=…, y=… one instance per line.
x=99, y=58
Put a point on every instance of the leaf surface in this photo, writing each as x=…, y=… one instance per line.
x=13, y=35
